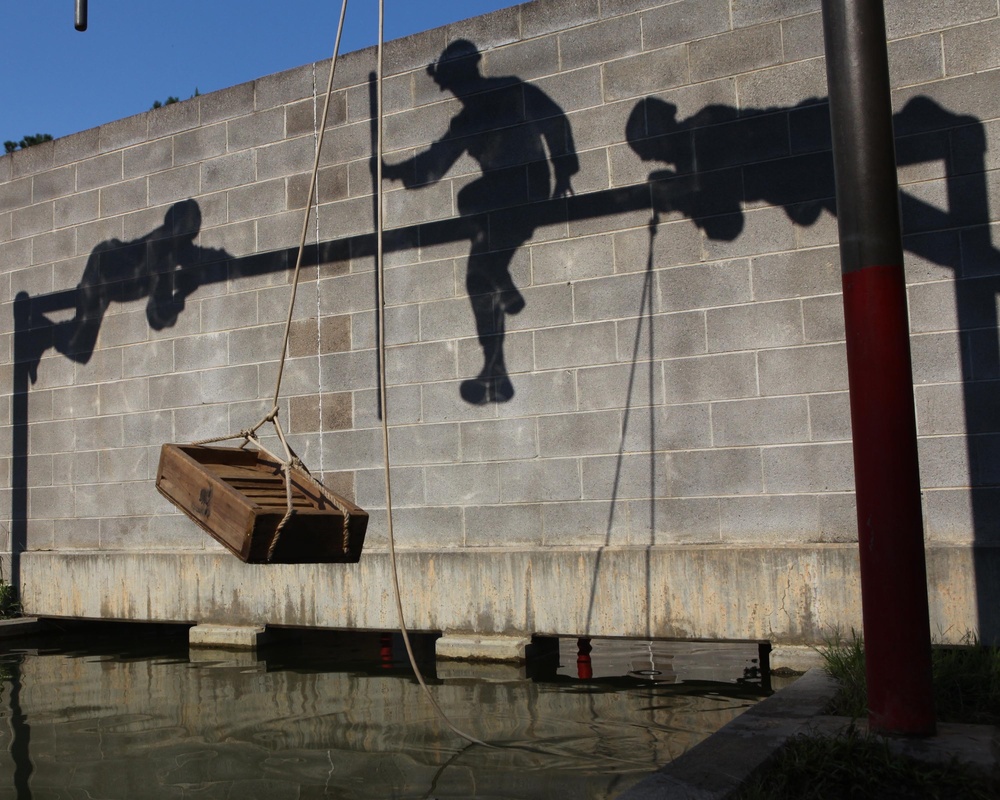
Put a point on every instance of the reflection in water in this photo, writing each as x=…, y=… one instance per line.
x=338, y=717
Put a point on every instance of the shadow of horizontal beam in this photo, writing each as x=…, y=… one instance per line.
x=556, y=211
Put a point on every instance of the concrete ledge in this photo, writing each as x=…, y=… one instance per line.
x=227, y=637
x=798, y=658
x=720, y=764
x=481, y=648
x=21, y=626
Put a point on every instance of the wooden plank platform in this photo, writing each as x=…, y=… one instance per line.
x=237, y=495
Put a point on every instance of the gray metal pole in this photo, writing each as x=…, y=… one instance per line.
x=81, y=15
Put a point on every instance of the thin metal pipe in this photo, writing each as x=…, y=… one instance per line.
x=80, y=22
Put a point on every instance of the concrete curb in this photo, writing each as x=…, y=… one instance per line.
x=716, y=767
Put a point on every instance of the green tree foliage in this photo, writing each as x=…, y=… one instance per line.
x=10, y=146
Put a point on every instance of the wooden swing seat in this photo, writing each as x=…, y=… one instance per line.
x=237, y=495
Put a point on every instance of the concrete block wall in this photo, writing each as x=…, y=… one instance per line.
x=680, y=388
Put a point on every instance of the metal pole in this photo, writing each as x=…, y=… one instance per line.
x=81, y=15
x=887, y=479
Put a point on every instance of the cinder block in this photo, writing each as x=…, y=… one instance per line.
x=756, y=326
x=284, y=87
x=123, y=197
x=674, y=521
x=802, y=36
x=55, y=246
x=762, y=421
x=686, y=21
x=73, y=401
x=354, y=449
x=541, y=480
x=124, y=132
x=254, y=130
x=228, y=311
x=431, y=527
x=909, y=17
x=717, y=377
x=123, y=464
x=47, y=502
x=503, y=526
x=972, y=48
x=78, y=146
x=625, y=476
x=770, y=520
x=425, y=444
x=349, y=371
x=916, y=60
x=235, y=101
x=753, y=12
x=542, y=18
x=173, y=391
x=257, y=200
x=96, y=433
x=285, y=158
x=799, y=370
x=576, y=345
x=99, y=171
x=944, y=462
x=53, y=183
x=32, y=160
x=499, y=440
x=15, y=194
x=31, y=220
x=417, y=363
x=176, y=184
x=122, y=397
x=735, y=52
x=937, y=358
x=726, y=472
x=579, y=434
x=475, y=485
x=676, y=427
x=602, y=41
x=646, y=73
x=174, y=117
x=583, y=524
x=544, y=306
x=148, y=427
x=809, y=468
x=932, y=307
x=830, y=417
x=704, y=286
x=796, y=274
x=227, y=171
x=782, y=86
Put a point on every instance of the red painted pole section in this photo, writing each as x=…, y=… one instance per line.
x=886, y=471
x=887, y=484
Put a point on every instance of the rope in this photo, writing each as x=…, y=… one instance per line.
x=380, y=271
x=291, y=461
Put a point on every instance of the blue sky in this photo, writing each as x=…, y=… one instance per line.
x=59, y=81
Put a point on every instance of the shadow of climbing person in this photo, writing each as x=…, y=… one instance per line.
x=162, y=266
x=513, y=130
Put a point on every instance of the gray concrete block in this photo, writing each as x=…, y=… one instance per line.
x=646, y=73
x=46, y=502
x=174, y=117
x=972, y=48
x=601, y=41
x=726, y=472
x=425, y=444
x=613, y=297
x=625, y=476
x=545, y=306
x=148, y=158
x=677, y=427
x=254, y=130
x=940, y=409
x=97, y=433
x=174, y=391
x=150, y=358
x=462, y=484
x=414, y=52
x=944, y=462
x=802, y=36
x=704, y=286
x=936, y=358
x=576, y=345
x=768, y=520
x=753, y=12
x=206, y=141
x=579, y=434
x=78, y=146
x=331, y=185
x=55, y=246
x=32, y=160
x=756, y=326
x=285, y=158
x=489, y=30
x=766, y=230
x=206, y=351
x=674, y=521
x=100, y=171
x=209, y=421
x=74, y=401
x=932, y=307
x=128, y=327
x=31, y=220
x=72, y=468
x=583, y=524
x=227, y=171
x=257, y=200
x=949, y=517
x=796, y=274
x=431, y=527
x=176, y=184
x=663, y=336
x=80, y=207
x=356, y=449
x=827, y=467
x=735, y=52
x=516, y=524
x=89, y=235
x=123, y=133
x=798, y=370
x=534, y=58
x=15, y=194
x=830, y=417
x=916, y=60
x=607, y=387
x=229, y=311
x=123, y=197
x=123, y=397
x=908, y=17
x=284, y=87
x=235, y=101
x=686, y=21
x=771, y=420
x=417, y=363
x=150, y=428
x=123, y=464
x=542, y=480
x=53, y=183
x=782, y=85
x=538, y=19
x=499, y=440
x=716, y=377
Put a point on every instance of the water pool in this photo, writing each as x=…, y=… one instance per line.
x=124, y=711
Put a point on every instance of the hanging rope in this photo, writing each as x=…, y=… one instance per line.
x=291, y=461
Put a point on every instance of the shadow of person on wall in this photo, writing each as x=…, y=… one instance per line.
x=506, y=126
x=163, y=266
x=721, y=160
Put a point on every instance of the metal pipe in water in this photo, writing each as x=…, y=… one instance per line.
x=81, y=15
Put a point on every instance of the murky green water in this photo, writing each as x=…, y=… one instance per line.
x=132, y=713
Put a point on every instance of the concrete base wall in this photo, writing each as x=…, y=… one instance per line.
x=791, y=595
